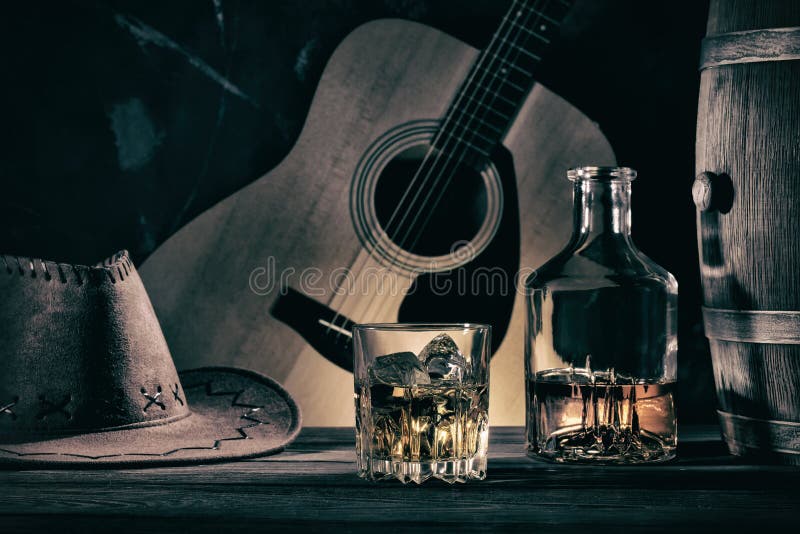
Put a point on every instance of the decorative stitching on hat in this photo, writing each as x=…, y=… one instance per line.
x=117, y=268
x=46, y=272
x=241, y=430
x=176, y=394
x=6, y=410
x=248, y=416
x=50, y=407
x=113, y=405
x=153, y=399
x=61, y=274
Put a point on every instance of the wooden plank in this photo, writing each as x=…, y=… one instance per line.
x=314, y=484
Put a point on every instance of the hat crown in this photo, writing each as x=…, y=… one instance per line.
x=81, y=350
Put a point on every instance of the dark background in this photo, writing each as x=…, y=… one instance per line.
x=124, y=120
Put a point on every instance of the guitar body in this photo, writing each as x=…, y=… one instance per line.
x=215, y=283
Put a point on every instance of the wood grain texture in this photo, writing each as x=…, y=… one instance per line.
x=313, y=486
x=740, y=15
x=749, y=129
x=757, y=380
x=384, y=74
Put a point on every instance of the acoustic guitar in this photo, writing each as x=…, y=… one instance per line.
x=428, y=179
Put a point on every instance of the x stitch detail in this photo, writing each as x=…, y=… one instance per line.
x=114, y=406
x=49, y=407
x=153, y=399
x=176, y=394
x=6, y=409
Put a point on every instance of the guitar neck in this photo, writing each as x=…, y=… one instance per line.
x=500, y=79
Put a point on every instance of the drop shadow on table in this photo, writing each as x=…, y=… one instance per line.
x=706, y=452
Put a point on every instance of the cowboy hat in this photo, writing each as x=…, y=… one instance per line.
x=87, y=379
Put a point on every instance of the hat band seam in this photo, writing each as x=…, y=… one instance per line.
x=117, y=268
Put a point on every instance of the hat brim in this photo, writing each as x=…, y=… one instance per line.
x=235, y=414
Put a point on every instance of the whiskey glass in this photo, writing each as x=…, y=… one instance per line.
x=422, y=401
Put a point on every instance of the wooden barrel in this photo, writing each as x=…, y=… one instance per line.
x=748, y=197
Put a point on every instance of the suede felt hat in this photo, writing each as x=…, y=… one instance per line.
x=86, y=378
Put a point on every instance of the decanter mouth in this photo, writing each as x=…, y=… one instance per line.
x=607, y=174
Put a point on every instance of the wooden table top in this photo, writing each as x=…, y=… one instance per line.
x=313, y=486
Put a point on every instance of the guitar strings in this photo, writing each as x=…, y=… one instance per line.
x=465, y=112
x=509, y=21
x=457, y=116
x=494, y=57
x=493, y=97
x=427, y=158
x=449, y=179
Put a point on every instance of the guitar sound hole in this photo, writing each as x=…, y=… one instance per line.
x=420, y=228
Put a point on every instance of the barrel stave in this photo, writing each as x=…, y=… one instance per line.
x=748, y=136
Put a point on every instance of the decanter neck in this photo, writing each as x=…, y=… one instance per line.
x=602, y=209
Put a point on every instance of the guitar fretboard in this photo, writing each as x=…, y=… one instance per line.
x=499, y=81
x=481, y=112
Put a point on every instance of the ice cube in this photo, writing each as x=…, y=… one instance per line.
x=443, y=360
x=399, y=369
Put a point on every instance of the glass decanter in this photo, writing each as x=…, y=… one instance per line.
x=601, y=344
